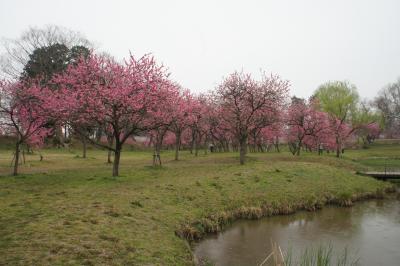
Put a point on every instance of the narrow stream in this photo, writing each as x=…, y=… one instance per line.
x=370, y=230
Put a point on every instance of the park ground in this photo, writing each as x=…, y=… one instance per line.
x=66, y=210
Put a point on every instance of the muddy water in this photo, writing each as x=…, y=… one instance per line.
x=370, y=230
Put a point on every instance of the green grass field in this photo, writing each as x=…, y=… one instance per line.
x=67, y=210
x=378, y=156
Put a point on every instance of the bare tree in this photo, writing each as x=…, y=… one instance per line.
x=388, y=102
x=16, y=51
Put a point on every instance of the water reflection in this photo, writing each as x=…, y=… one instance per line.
x=370, y=229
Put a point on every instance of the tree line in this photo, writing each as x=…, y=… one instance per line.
x=66, y=89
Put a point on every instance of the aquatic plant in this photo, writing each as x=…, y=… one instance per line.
x=322, y=255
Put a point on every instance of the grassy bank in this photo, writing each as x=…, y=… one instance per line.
x=69, y=210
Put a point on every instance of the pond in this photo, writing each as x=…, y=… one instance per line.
x=370, y=230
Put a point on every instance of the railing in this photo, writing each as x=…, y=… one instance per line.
x=390, y=169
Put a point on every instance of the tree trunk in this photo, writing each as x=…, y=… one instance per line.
x=292, y=147
x=84, y=147
x=16, y=161
x=196, y=149
x=65, y=132
x=154, y=158
x=110, y=141
x=196, y=146
x=338, y=147
x=109, y=157
x=254, y=142
x=29, y=149
x=260, y=147
x=177, y=146
x=158, y=140
x=206, y=146
x=155, y=155
x=117, y=156
x=277, y=144
x=157, y=149
x=243, y=150
x=299, y=146
x=59, y=135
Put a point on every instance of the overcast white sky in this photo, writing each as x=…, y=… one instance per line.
x=307, y=42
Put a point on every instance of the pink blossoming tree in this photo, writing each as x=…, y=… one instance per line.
x=24, y=114
x=120, y=97
x=305, y=125
x=248, y=104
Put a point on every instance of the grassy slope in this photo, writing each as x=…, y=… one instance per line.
x=69, y=210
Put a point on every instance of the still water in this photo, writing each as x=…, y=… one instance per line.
x=370, y=230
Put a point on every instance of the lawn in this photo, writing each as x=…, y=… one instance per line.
x=378, y=156
x=66, y=210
